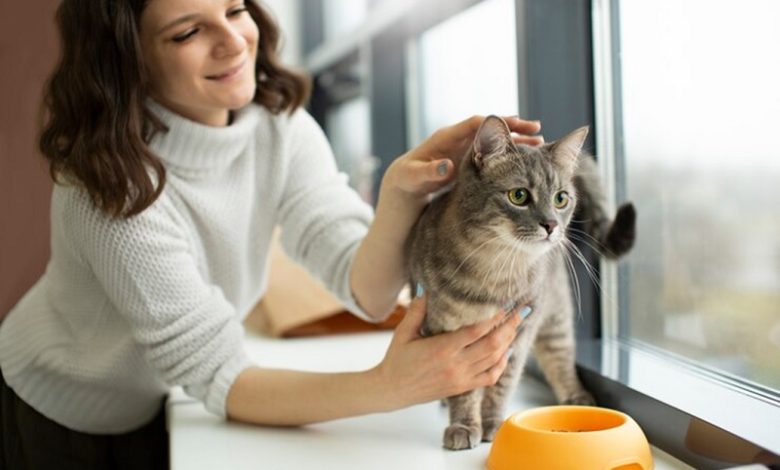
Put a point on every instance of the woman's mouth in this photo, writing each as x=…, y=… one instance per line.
x=228, y=74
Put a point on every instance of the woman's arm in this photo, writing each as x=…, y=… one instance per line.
x=414, y=370
x=378, y=272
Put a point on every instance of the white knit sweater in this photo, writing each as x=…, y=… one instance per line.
x=128, y=308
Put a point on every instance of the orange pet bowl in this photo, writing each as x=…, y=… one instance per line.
x=570, y=438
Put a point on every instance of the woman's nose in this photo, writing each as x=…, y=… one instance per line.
x=231, y=42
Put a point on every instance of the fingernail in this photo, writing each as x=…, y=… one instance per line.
x=442, y=169
x=419, y=291
x=525, y=312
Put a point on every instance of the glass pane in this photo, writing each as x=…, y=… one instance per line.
x=481, y=78
x=343, y=16
x=700, y=106
x=349, y=132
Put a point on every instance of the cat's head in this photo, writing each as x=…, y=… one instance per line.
x=520, y=193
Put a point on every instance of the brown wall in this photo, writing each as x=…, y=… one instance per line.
x=28, y=51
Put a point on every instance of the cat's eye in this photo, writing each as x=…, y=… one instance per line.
x=519, y=197
x=561, y=199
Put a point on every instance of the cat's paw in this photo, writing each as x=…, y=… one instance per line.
x=460, y=436
x=489, y=428
x=581, y=398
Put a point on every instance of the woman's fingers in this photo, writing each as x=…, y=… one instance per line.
x=533, y=140
x=490, y=376
x=522, y=126
x=424, y=177
x=423, y=369
x=430, y=166
x=469, y=335
x=422, y=173
x=495, y=350
x=491, y=347
x=409, y=327
x=441, y=169
x=468, y=127
x=458, y=136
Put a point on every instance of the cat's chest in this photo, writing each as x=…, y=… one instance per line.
x=509, y=278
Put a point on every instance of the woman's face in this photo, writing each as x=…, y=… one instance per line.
x=200, y=55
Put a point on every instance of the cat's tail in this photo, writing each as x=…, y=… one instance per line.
x=612, y=237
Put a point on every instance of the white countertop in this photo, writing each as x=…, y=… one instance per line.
x=405, y=439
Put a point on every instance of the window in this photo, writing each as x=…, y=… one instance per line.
x=481, y=78
x=700, y=102
x=343, y=16
x=687, y=103
x=349, y=132
x=682, y=98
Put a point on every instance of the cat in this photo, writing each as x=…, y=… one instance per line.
x=497, y=239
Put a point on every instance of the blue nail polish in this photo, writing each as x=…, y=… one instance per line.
x=442, y=169
x=419, y=291
x=525, y=312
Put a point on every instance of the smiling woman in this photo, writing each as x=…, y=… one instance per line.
x=200, y=64
x=186, y=50
x=178, y=145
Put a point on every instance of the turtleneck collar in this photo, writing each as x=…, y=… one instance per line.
x=193, y=148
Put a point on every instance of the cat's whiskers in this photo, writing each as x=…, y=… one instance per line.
x=589, y=269
x=599, y=249
x=573, y=275
x=586, y=242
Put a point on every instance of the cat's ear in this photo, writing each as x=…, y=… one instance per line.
x=566, y=150
x=493, y=137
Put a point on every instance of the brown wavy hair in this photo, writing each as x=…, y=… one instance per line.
x=95, y=127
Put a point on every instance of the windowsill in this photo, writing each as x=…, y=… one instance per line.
x=409, y=438
x=692, y=415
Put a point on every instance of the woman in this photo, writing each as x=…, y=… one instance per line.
x=178, y=143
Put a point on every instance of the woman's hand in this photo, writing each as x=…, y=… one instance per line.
x=428, y=167
x=414, y=370
x=417, y=370
x=379, y=271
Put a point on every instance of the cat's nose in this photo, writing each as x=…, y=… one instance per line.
x=549, y=225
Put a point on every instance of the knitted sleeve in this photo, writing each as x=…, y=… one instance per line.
x=323, y=219
x=186, y=328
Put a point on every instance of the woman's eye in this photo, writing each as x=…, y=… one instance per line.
x=186, y=35
x=237, y=11
x=561, y=199
x=519, y=197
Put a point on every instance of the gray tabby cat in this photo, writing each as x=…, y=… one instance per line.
x=498, y=239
